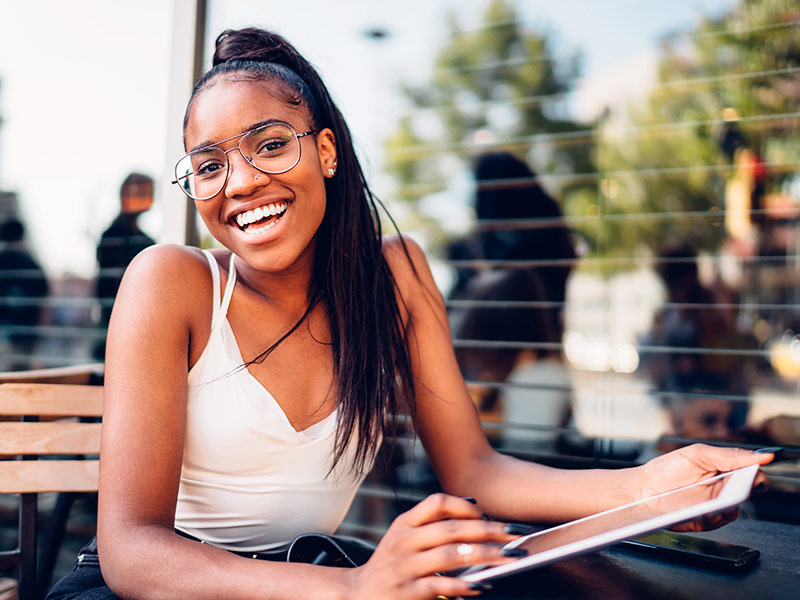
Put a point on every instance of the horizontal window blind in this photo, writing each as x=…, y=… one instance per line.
x=679, y=320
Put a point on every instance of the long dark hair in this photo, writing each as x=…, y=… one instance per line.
x=372, y=368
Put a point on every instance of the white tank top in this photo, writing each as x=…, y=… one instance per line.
x=249, y=480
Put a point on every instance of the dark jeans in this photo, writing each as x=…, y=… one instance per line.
x=85, y=581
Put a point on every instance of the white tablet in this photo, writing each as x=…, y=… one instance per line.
x=640, y=517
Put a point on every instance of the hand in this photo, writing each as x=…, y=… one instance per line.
x=692, y=464
x=440, y=534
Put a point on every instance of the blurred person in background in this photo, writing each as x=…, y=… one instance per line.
x=517, y=221
x=119, y=244
x=23, y=286
x=704, y=392
x=745, y=221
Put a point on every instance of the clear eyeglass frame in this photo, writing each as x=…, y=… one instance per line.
x=181, y=178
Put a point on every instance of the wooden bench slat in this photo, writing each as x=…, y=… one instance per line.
x=46, y=399
x=38, y=476
x=76, y=374
x=50, y=438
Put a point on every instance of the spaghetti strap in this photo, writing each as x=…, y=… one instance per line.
x=226, y=299
x=215, y=279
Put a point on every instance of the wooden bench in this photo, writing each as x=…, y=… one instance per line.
x=49, y=456
x=75, y=374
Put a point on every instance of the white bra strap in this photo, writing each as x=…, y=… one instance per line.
x=212, y=262
x=226, y=299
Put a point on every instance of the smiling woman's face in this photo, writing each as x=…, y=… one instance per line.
x=269, y=221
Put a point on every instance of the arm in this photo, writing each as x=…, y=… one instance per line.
x=160, y=324
x=159, y=327
x=505, y=487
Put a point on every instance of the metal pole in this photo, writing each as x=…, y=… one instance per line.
x=186, y=66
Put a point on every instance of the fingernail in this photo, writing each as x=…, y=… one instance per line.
x=469, y=499
x=770, y=450
x=481, y=586
x=517, y=529
x=514, y=552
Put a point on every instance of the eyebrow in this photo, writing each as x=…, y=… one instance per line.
x=208, y=144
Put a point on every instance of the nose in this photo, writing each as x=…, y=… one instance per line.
x=242, y=176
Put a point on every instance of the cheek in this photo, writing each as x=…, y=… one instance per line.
x=209, y=214
x=316, y=191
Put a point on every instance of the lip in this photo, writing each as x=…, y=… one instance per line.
x=230, y=217
x=268, y=235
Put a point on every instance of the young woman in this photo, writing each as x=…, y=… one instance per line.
x=247, y=388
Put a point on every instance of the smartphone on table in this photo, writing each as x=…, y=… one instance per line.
x=689, y=549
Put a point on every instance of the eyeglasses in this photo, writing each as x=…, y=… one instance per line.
x=272, y=148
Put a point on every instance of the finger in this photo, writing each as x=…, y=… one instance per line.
x=447, y=587
x=761, y=482
x=717, y=520
x=438, y=507
x=458, y=555
x=461, y=530
x=687, y=526
x=716, y=458
x=708, y=522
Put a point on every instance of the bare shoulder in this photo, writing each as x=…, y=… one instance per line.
x=165, y=298
x=168, y=268
x=166, y=260
x=410, y=270
x=168, y=277
x=403, y=255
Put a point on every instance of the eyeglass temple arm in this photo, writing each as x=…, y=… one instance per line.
x=178, y=180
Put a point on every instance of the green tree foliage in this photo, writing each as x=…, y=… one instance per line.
x=667, y=171
x=497, y=87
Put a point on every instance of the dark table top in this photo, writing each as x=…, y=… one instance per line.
x=615, y=573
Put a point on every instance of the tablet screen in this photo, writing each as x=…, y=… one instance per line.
x=623, y=517
x=623, y=522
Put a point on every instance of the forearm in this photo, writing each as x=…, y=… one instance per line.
x=155, y=563
x=516, y=490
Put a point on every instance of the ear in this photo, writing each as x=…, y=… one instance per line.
x=326, y=149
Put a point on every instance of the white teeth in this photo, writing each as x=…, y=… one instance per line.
x=258, y=230
x=251, y=216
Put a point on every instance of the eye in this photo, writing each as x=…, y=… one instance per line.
x=208, y=169
x=269, y=141
x=272, y=145
x=206, y=165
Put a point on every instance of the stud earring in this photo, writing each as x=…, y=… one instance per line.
x=331, y=172
x=257, y=176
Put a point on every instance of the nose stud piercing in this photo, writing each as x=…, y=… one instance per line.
x=257, y=176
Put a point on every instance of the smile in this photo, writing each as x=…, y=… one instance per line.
x=260, y=219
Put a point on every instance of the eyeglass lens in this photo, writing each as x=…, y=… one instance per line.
x=273, y=148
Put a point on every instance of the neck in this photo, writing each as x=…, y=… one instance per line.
x=131, y=217
x=292, y=288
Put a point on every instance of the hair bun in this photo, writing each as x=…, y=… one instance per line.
x=256, y=45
